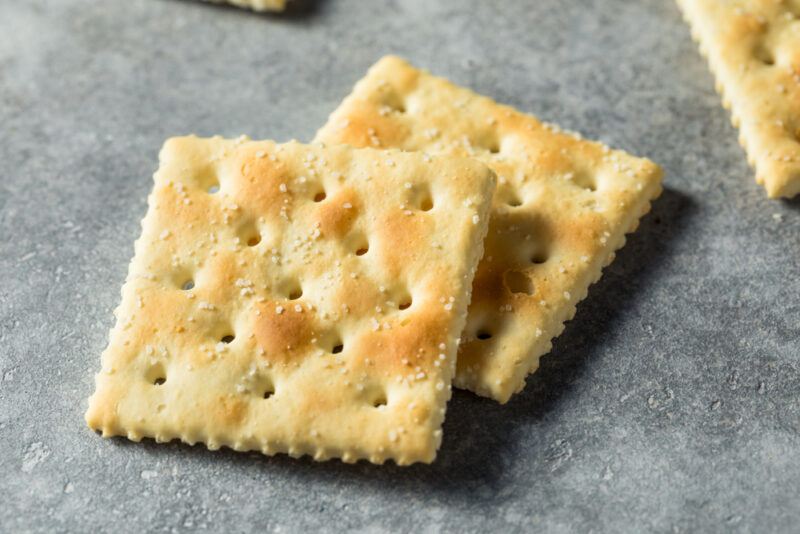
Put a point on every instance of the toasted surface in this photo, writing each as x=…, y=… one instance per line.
x=753, y=48
x=310, y=305
x=562, y=207
x=256, y=5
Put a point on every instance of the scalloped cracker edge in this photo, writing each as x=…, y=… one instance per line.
x=753, y=49
x=293, y=298
x=562, y=207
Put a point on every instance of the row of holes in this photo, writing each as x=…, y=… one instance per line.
x=514, y=201
x=294, y=294
x=515, y=281
x=318, y=197
x=398, y=106
x=493, y=147
x=297, y=292
x=337, y=347
x=159, y=378
x=511, y=199
x=425, y=204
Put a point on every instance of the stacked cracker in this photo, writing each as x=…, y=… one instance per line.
x=312, y=299
x=562, y=207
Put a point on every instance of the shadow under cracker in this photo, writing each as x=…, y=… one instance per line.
x=478, y=432
x=791, y=203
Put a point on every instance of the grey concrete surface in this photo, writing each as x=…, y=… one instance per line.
x=670, y=404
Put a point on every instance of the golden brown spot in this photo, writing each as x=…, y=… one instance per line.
x=222, y=273
x=163, y=312
x=398, y=240
x=359, y=294
x=282, y=332
x=338, y=213
x=400, y=349
x=229, y=410
x=257, y=183
x=173, y=212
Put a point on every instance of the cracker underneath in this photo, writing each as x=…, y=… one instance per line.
x=753, y=48
x=563, y=206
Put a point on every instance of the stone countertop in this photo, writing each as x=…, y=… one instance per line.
x=671, y=402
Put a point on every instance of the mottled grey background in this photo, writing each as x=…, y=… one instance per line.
x=671, y=403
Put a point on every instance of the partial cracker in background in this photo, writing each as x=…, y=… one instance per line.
x=753, y=48
x=562, y=207
x=288, y=298
x=256, y=5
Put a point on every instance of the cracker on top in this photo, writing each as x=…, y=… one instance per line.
x=293, y=298
x=256, y=5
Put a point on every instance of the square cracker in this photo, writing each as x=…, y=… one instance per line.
x=288, y=298
x=753, y=48
x=562, y=207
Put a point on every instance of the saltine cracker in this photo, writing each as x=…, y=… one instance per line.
x=562, y=207
x=753, y=48
x=294, y=298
